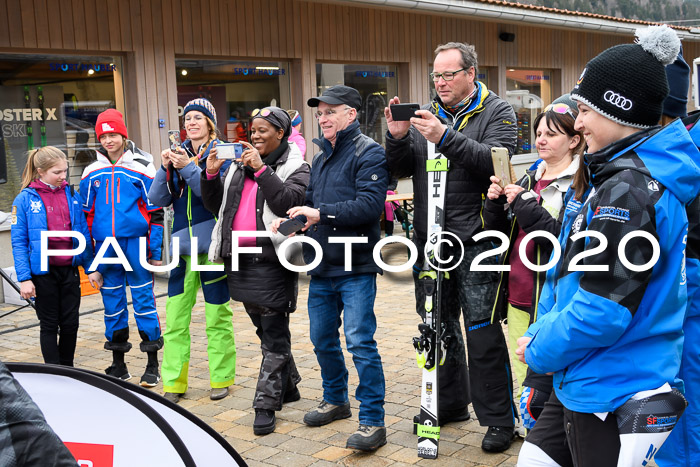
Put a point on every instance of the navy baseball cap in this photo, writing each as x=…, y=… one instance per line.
x=336, y=95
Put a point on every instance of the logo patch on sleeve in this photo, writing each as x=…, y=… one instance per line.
x=612, y=213
x=35, y=206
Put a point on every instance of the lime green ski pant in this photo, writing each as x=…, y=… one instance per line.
x=518, y=322
x=221, y=348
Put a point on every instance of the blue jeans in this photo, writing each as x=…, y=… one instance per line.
x=328, y=297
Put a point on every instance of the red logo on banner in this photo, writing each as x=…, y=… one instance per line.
x=92, y=455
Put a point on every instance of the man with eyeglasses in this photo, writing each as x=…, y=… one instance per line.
x=464, y=121
x=344, y=201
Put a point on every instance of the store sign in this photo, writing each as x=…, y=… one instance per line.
x=271, y=71
x=27, y=115
x=374, y=74
x=19, y=130
x=96, y=67
x=537, y=77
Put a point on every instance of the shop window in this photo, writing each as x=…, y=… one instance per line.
x=528, y=91
x=376, y=84
x=51, y=100
x=234, y=88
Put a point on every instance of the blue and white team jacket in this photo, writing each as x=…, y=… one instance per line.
x=115, y=198
x=607, y=335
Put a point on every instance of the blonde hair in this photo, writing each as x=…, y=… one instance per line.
x=213, y=134
x=41, y=158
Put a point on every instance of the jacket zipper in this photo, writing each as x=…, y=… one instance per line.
x=502, y=275
x=537, y=285
x=561, y=383
x=481, y=211
x=114, y=232
x=119, y=190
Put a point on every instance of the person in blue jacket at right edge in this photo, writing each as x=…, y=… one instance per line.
x=612, y=309
x=682, y=448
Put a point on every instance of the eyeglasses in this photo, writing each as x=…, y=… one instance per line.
x=330, y=112
x=263, y=113
x=447, y=76
x=560, y=108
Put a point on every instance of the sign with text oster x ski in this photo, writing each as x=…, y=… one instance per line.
x=430, y=345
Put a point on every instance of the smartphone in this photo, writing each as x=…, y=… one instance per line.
x=501, y=166
x=403, y=112
x=229, y=151
x=174, y=138
x=291, y=225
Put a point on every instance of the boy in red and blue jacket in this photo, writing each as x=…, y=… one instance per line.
x=114, y=193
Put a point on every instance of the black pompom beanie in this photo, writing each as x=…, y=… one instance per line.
x=627, y=83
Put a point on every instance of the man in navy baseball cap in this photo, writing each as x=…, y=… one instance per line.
x=336, y=95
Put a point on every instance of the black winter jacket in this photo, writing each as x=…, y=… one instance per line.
x=491, y=123
x=262, y=281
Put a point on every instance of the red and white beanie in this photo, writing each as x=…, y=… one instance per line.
x=110, y=121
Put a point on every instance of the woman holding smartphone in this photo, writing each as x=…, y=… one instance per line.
x=269, y=179
x=178, y=183
x=535, y=202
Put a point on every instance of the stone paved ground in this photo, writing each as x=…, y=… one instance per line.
x=292, y=443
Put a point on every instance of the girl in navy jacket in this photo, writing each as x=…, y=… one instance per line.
x=46, y=202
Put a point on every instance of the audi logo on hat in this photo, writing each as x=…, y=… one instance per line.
x=617, y=100
x=106, y=128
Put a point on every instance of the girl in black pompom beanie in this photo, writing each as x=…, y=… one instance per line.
x=610, y=316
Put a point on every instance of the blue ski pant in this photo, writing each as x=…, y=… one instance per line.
x=116, y=278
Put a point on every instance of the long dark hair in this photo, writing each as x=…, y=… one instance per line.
x=564, y=123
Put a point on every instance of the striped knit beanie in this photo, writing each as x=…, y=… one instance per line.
x=203, y=105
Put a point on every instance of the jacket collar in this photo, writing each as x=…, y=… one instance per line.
x=189, y=149
x=599, y=162
x=342, y=138
x=40, y=186
x=128, y=155
x=567, y=173
x=459, y=121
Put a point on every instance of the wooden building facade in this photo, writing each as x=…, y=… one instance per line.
x=141, y=50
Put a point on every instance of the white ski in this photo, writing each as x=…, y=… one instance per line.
x=430, y=345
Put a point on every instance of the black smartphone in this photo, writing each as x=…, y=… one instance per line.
x=291, y=226
x=403, y=112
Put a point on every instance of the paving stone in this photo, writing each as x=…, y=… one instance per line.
x=273, y=439
x=333, y=453
x=261, y=453
x=479, y=456
x=230, y=415
x=407, y=455
x=286, y=459
x=324, y=463
x=302, y=446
